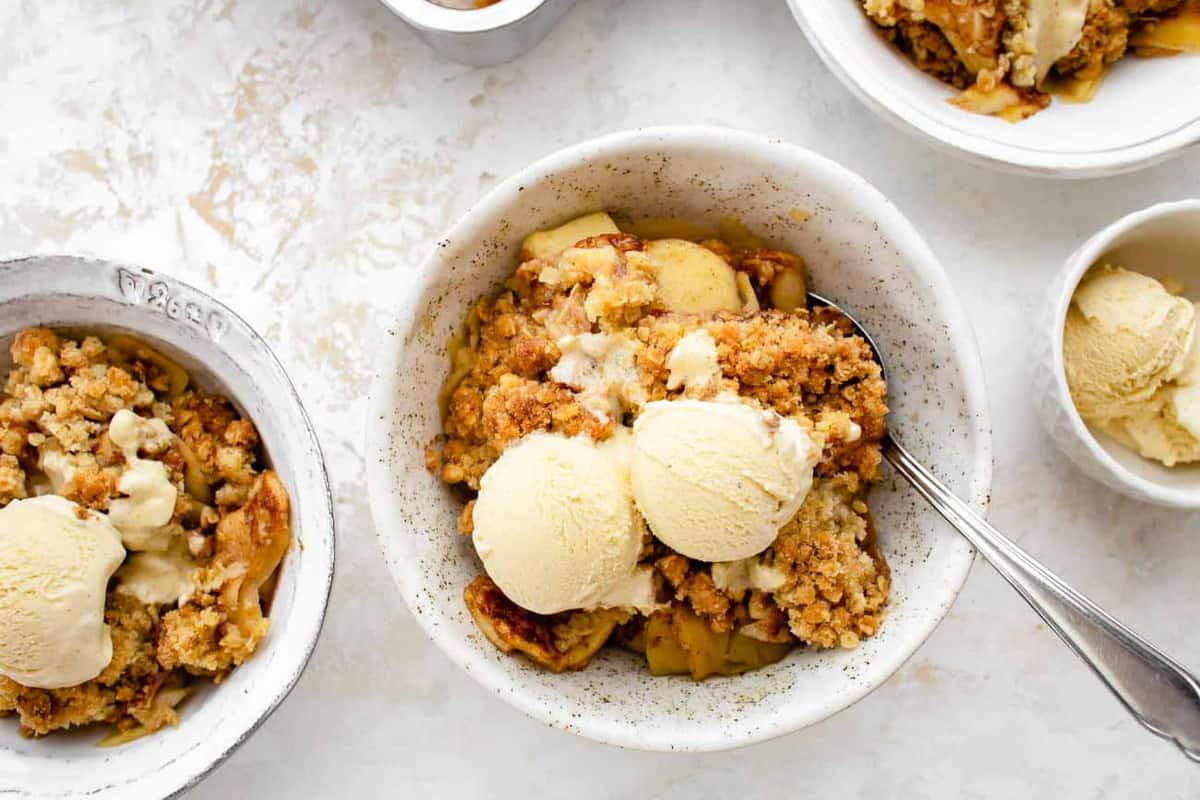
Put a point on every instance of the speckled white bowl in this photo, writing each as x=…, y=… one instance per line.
x=1162, y=241
x=1147, y=109
x=862, y=252
x=223, y=354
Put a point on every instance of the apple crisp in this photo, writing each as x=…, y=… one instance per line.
x=588, y=332
x=188, y=603
x=1008, y=57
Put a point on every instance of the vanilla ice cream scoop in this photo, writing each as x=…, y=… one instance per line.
x=1053, y=29
x=1125, y=336
x=555, y=525
x=717, y=480
x=1166, y=428
x=55, y=564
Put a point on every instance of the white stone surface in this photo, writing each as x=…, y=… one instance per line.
x=297, y=159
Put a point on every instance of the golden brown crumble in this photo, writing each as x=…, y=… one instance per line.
x=796, y=364
x=59, y=398
x=930, y=51
x=806, y=365
x=1105, y=38
x=837, y=579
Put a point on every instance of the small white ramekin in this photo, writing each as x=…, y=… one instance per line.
x=1162, y=241
x=1146, y=110
x=860, y=251
x=484, y=36
x=223, y=354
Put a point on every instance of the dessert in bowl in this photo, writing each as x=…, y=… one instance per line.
x=1141, y=111
x=139, y=536
x=1008, y=59
x=854, y=246
x=663, y=447
x=165, y=529
x=1116, y=363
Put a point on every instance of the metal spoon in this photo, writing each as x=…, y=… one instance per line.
x=1159, y=692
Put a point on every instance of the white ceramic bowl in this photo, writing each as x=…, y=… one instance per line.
x=484, y=36
x=223, y=354
x=1145, y=111
x=862, y=252
x=1162, y=241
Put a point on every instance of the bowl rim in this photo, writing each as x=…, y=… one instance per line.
x=983, y=150
x=101, y=273
x=1077, y=265
x=466, y=655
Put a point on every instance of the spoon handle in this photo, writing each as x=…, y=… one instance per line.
x=1160, y=693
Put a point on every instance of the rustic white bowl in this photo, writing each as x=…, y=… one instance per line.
x=862, y=252
x=224, y=354
x=1162, y=241
x=1145, y=111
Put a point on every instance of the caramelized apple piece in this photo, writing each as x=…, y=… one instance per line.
x=1002, y=100
x=691, y=278
x=196, y=479
x=678, y=642
x=257, y=536
x=788, y=290
x=750, y=304
x=128, y=348
x=223, y=622
x=547, y=244
x=463, y=351
x=665, y=653
x=745, y=654
x=1177, y=33
x=559, y=643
